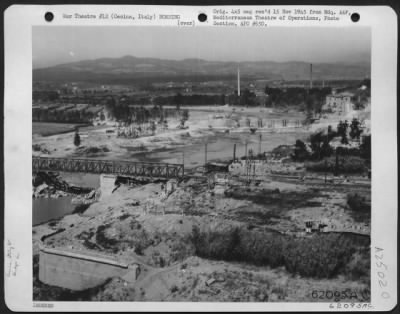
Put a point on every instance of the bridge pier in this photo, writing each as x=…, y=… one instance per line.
x=107, y=185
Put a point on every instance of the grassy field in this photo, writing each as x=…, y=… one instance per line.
x=50, y=128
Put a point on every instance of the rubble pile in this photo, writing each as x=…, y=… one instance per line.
x=46, y=191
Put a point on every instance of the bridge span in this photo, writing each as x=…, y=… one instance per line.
x=115, y=167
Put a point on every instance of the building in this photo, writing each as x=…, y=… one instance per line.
x=261, y=98
x=339, y=104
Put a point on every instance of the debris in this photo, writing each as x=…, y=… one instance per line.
x=220, y=278
x=210, y=281
x=91, y=194
x=134, y=203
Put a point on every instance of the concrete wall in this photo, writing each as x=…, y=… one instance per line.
x=77, y=271
x=107, y=185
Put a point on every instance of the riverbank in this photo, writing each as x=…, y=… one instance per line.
x=54, y=128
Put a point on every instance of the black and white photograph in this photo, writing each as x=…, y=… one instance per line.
x=185, y=158
x=167, y=169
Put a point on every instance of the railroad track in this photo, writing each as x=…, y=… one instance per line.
x=320, y=183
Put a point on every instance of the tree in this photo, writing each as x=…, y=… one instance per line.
x=110, y=105
x=320, y=146
x=355, y=130
x=247, y=98
x=342, y=131
x=344, y=134
x=222, y=100
x=340, y=128
x=326, y=149
x=185, y=115
x=365, y=147
x=316, y=143
x=309, y=116
x=77, y=139
x=178, y=99
x=251, y=154
x=300, y=151
x=152, y=127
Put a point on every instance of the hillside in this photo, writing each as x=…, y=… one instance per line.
x=133, y=68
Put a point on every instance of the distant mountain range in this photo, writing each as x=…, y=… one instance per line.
x=151, y=69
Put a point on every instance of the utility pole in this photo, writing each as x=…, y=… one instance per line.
x=259, y=147
x=205, y=154
x=336, y=164
x=234, y=152
x=327, y=144
x=238, y=82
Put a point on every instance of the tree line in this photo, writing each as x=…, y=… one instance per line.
x=310, y=100
x=320, y=143
x=64, y=116
x=189, y=100
x=140, y=114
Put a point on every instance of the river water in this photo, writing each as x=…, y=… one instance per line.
x=219, y=147
x=45, y=209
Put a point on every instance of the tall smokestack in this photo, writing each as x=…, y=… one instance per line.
x=238, y=81
x=310, y=75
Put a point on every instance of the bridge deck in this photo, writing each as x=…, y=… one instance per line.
x=117, y=167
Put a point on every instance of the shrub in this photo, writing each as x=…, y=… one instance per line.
x=347, y=164
x=348, y=151
x=36, y=148
x=365, y=147
x=80, y=208
x=216, y=244
x=102, y=239
x=283, y=151
x=357, y=203
x=319, y=143
x=300, y=151
x=124, y=216
x=174, y=288
x=325, y=165
x=359, y=266
x=77, y=139
x=319, y=256
x=352, y=165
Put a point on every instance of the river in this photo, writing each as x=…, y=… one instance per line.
x=45, y=209
x=219, y=147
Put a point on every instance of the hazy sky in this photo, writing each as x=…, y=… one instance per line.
x=61, y=44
